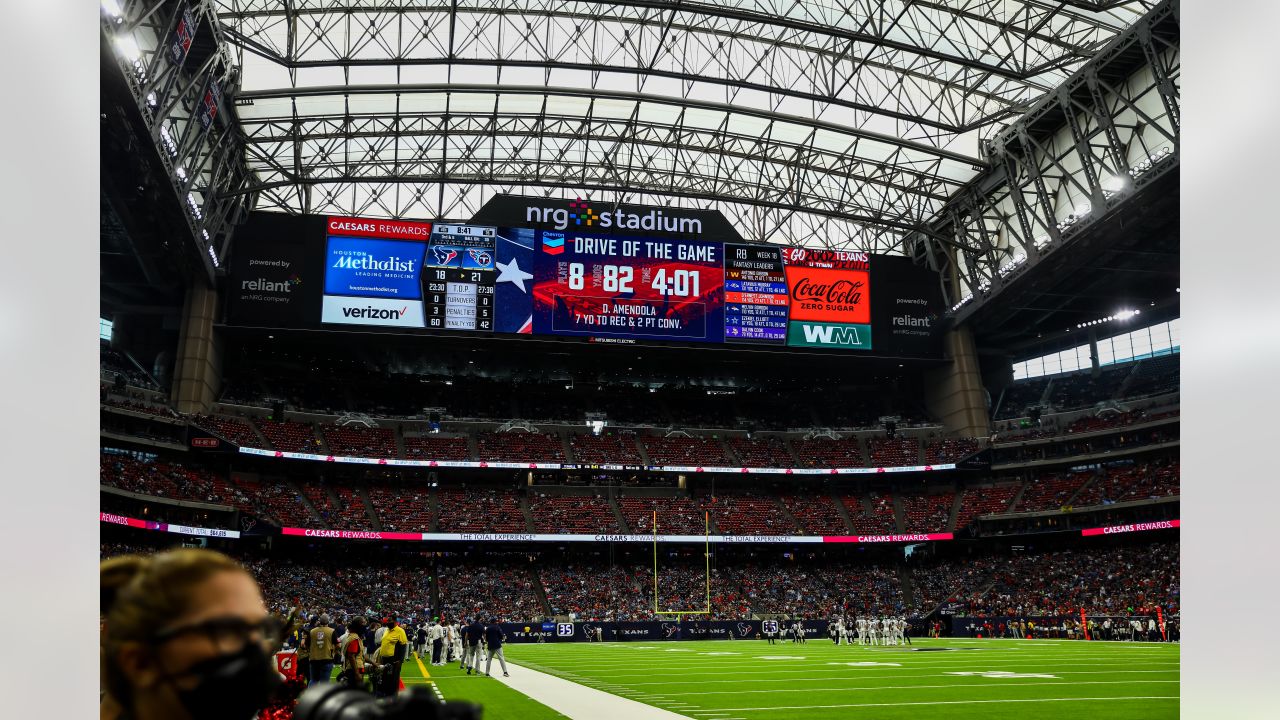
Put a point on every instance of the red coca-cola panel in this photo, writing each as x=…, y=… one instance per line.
x=829, y=295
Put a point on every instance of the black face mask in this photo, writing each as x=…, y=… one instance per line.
x=231, y=687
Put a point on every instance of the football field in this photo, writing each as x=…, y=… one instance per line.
x=752, y=680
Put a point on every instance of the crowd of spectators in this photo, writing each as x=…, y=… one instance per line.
x=817, y=514
x=572, y=514
x=497, y=587
x=1052, y=491
x=947, y=450
x=436, y=447
x=828, y=453
x=1083, y=389
x=356, y=441
x=875, y=516
x=236, y=430
x=291, y=436
x=520, y=447
x=478, y=510
x=1019, y=396
x=927, y=513
x=675, y=515
x=749, y=514
x=610, y=448
x=1155, y=376
x=893, y=452
x=1110, y=581
x=401, y=507
x=768, y=452
x=686, y=451
x=140, y=406
x=112, y=362
x=1099, y=580
x=990, y=500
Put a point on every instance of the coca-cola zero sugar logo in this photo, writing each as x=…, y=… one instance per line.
x=829, y=295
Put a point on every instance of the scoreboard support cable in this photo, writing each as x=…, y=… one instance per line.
x=706, y=554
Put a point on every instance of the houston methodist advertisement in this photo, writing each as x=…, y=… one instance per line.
x=586, y=281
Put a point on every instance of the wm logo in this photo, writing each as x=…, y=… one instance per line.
x=810, y=334
x=831, y=334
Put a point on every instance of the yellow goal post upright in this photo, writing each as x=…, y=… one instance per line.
x=706, y=519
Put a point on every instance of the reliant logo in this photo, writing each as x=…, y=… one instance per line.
x=580, y=214
x=265, y=285
x=908, y=321
x=366, y=262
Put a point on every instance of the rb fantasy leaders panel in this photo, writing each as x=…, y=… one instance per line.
x=591, y=285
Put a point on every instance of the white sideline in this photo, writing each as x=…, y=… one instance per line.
x=579, y=702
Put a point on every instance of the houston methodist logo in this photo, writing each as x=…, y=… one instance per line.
x=580, y=214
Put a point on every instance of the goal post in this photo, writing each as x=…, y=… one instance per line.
x=706, y=555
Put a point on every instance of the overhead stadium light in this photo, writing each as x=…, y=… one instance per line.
x=128, y=49
x=1115, y=183
x=112, y=8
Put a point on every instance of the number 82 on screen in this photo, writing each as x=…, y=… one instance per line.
x=619, y=279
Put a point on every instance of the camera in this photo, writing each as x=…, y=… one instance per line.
x=335, y=702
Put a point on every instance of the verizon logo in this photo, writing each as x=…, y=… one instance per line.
x=344, y=310
x=374, y=313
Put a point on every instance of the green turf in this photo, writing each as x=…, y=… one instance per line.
x=500, y=702
x=725, y=680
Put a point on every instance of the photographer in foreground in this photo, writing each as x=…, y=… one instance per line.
x=186, y=636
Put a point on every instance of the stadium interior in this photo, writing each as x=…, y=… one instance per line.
x=1012, y=458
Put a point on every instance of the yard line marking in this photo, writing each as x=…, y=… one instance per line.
x=878, y=676
x=614, y=675
x=953, y=702
x=924, y=687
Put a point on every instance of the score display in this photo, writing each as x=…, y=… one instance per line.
x=458, y=283
x=454, y=277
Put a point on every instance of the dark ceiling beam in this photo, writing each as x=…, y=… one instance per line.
x=732, y=13
x=655, y=72
x=498, y=89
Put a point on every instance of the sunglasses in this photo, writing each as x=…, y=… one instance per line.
x=228, y=633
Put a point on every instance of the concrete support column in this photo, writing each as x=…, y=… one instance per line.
x=954, y=393
x=197, y=369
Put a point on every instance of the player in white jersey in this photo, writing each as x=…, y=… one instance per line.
x=861, y=625
x=842, y=633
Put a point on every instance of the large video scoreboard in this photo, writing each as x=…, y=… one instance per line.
x=633, y=288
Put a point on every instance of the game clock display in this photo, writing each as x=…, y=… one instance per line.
x=632, y=288
x=458, y=280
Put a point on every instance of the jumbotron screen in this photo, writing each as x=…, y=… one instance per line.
x=587, y=284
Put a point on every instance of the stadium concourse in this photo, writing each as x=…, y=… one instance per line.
x=698, y=360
